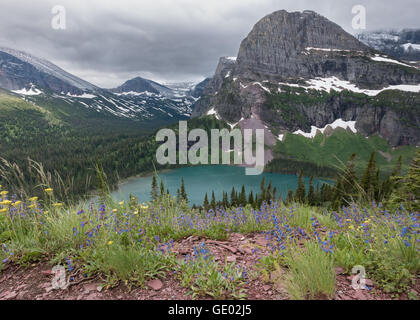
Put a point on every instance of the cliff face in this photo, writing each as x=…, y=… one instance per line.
x=287, y=66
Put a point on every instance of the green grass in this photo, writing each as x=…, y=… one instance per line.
x=131, y=243
x=311, y=273
x=335, y=150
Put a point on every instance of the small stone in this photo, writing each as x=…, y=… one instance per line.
x=10, y=295
x=339, y=270
x=90, y=287
x=231, y=259
x=49, y=289
x=155, y=284
x=248, y=251
x=266, y=287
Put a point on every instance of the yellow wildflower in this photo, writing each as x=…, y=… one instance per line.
x=110, y=243
x=33, y=199
x=3, y=210
x=144, y=207
x=121, y=203
x=3, y=193
x=115, y=211
x=31, y=206
x=57, y=205
x=351, y=227
x=136, y=212
x=7, y=202
x=17, y=203
x=49, y=190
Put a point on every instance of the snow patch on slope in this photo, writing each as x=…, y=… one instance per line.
x=32, y=91
x=339, y=123
x=388, y=60
x=326, y=84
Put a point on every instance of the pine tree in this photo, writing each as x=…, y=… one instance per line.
x=206, y=203
x=389, y=184
x=311, y=192
x=269, y=192
x=369, y=179
x=300, y=191
x=242, y=196
x=183, y=192
x=407, y=189
x=251, y=199
x=225, y=201
x=213, y=201
x=162, y=188
x=233, y=200
x=154, y=192
x=289, y=198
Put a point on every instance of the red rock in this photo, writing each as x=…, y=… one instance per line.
x=247, y=251
x=231, y=259
x=47, y=272
x=359, y=295
x=90, y=287
x=266, y=287
x=155, y=284
x=9, y=295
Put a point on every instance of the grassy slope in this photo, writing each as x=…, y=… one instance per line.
x=334, y=150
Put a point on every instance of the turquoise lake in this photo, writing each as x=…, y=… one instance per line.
x=202, y=179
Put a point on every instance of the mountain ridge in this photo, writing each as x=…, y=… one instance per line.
x=286, y=78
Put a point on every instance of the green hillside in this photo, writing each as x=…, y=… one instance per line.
x=332, y=151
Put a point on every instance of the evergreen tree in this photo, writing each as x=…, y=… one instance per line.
x=289, y=198
x=369, y=179
x=300, y=191
x=225, y=202
x=206, y=203
x=213, y=201
x=269, y=192
x=183, y=192
x=233, y=200
x=251, y=199
x=311, y=192
x=242, y=196
x=407, y=189
x=154, y=192
x=389, y=184
x=162, y=188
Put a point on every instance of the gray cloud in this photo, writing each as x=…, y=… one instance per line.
x=108, y=42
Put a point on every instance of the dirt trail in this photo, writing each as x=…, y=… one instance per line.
x=34, y=282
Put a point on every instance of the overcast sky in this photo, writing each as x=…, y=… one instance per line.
x=109, y=42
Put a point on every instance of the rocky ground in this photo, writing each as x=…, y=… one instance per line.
x=34, y=282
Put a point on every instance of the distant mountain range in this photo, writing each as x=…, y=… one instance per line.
x=38, y=80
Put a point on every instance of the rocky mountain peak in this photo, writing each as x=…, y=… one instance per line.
x=282, y=42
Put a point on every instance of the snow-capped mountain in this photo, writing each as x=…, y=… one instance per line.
x=403, y=44
x=19, y=69
x=40, y=81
